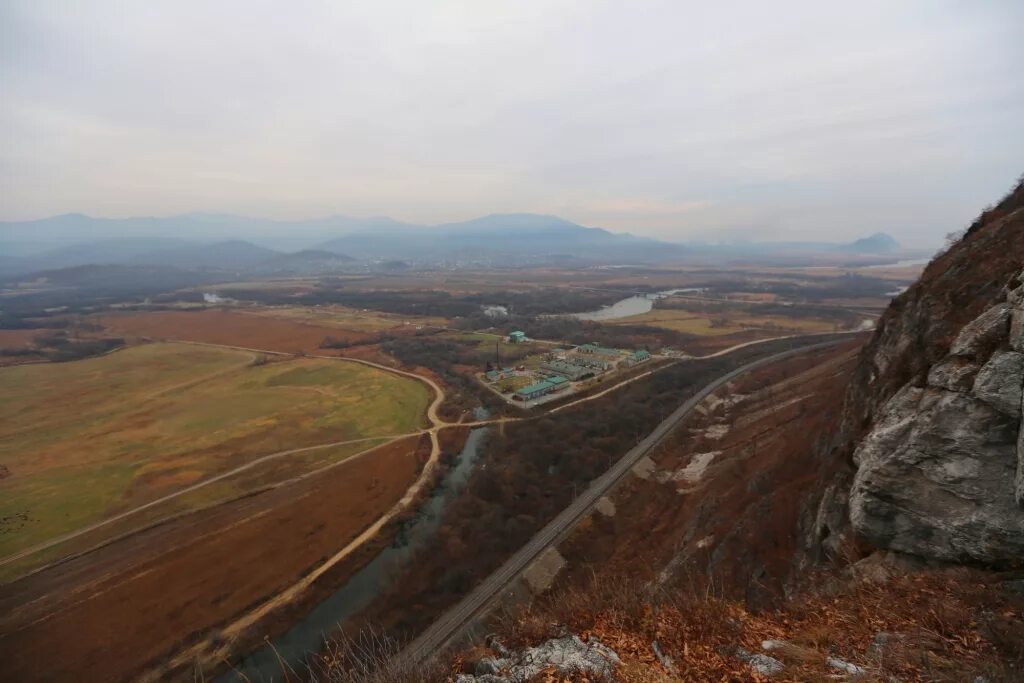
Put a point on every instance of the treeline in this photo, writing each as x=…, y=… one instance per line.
x=59, y=347
x=849, y=285
x=452, y=360
x=433, y=302
x=51, y=309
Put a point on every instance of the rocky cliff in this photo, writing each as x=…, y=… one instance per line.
x=931, y=426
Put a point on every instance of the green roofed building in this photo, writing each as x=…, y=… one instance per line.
x=528, y=393
x=637, y=357
x=570, y=370
x=597, y=350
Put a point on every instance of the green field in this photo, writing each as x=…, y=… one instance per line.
x=84, y=440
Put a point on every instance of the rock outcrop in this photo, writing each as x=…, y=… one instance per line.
x=935, y=478
x=567, y=655
x=931, y=425
x=937, y=473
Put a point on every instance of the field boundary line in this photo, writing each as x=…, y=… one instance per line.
x=202, y=484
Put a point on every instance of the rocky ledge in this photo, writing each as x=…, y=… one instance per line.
x=941, y=472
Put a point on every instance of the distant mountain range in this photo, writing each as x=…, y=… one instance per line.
x=219, y=242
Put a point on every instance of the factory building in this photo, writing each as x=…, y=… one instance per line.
x=595, y=350
x=595, y=362
x=570, y=370
x=533, y=391
x=638, y=357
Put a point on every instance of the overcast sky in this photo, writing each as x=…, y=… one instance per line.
x=776, y=120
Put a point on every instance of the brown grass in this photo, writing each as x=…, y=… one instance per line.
x=108, y=614
x=18, y=339
x=944, y=621
x=228, y=327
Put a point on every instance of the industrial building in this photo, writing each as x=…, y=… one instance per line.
x=529, y=393
x=503, y=373
x=571, y=370
x=638, y=357
x=594, y=362
x=594, y=349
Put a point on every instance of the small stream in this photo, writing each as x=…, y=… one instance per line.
x=306, y=636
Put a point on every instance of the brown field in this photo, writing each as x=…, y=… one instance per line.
x=351, y=319
x=17, y=339
x=695, y=321
x=107, y=615
x=229, y=327
x=87, y=440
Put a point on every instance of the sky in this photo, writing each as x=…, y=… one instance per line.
x=677, y=120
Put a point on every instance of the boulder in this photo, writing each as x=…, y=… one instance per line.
x=568, y=654
x=1017, y=330
x=762, y=665
x=982, y=333
x=954, y=373
x=999, y=382
x=935, y=479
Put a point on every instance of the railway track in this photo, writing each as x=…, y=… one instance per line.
x=441, y=632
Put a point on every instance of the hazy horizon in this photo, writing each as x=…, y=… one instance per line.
x=668, y=120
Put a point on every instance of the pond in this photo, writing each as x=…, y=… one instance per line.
x=634, y=305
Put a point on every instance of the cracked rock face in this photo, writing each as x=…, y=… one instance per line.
x=941, y=472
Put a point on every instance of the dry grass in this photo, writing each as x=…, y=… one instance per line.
x=93, y=438
x=368, y=657
x=946, y=626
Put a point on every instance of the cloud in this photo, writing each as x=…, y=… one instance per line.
x=665, y=118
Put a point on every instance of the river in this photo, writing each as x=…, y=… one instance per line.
x=634, y=305
x=306, y=636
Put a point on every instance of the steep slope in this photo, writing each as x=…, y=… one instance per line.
x=930, y=426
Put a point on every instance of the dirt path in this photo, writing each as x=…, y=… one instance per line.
x=436, y=423
x=189, y=489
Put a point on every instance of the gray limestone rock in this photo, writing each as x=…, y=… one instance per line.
x=954, y=373
x=761, y=664
x=935, y=479
x=568, y=654
x=1017, y=330
x=984, y=331
x=999, y=382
